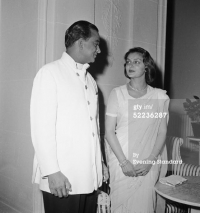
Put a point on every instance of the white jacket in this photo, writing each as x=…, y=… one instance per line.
x=64, y=125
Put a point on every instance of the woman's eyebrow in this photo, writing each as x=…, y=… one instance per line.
x=135, y=59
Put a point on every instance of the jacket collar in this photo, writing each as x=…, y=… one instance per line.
x=67, y=59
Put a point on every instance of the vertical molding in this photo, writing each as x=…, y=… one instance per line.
x=106, y=20
x=50, y=34
x=94, y=13
x=131, y=16
x=42, y=33
x=161, y=36
x=38, y=206
x=0, y=43
x=111, y=18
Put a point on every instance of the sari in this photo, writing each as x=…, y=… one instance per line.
x=137, y=136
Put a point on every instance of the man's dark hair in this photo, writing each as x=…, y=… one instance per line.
x=80, y=29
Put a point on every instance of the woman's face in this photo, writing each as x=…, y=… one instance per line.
x=135, y=67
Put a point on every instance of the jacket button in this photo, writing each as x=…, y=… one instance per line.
x=85, y=86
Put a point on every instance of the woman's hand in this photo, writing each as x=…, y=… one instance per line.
x=128, y=169
x=143, y=169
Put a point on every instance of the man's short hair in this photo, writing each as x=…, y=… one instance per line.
x=80, y=29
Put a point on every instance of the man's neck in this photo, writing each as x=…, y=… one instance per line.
x=75, y=55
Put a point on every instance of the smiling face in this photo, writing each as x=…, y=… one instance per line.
x=90, y=47
x=135, y=67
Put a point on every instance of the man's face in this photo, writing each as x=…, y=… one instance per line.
x=91, y=47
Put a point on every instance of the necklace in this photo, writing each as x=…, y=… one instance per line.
x=138, y=90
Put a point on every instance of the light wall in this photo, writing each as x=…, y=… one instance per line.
x=32, y=34
x=18, y=59
x=126, y=24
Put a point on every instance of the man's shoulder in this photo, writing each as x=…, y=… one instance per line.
x=92, y=78
x=49, y=68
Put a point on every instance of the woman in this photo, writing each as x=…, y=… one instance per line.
x=136, y=125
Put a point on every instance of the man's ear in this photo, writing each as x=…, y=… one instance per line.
x=80, y=43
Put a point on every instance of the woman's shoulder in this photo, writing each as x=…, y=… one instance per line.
x=119, y=88
x=162, y=94
x=118, y=93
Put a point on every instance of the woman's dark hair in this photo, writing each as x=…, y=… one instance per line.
x=80, y=29
x=148, y=61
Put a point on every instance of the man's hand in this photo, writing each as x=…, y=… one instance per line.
x=105, y=173
x=59, y=184
x=129, y=170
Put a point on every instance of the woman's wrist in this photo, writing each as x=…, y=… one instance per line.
x=153, y=157
x=123, y=162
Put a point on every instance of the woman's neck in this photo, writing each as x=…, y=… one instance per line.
x=138, y=84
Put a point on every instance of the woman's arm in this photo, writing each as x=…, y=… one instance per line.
x=127, y=167
x=160, y=141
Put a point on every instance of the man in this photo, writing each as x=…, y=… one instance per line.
x=64, y=126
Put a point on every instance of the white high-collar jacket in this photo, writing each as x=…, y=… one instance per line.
x=64, y=125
